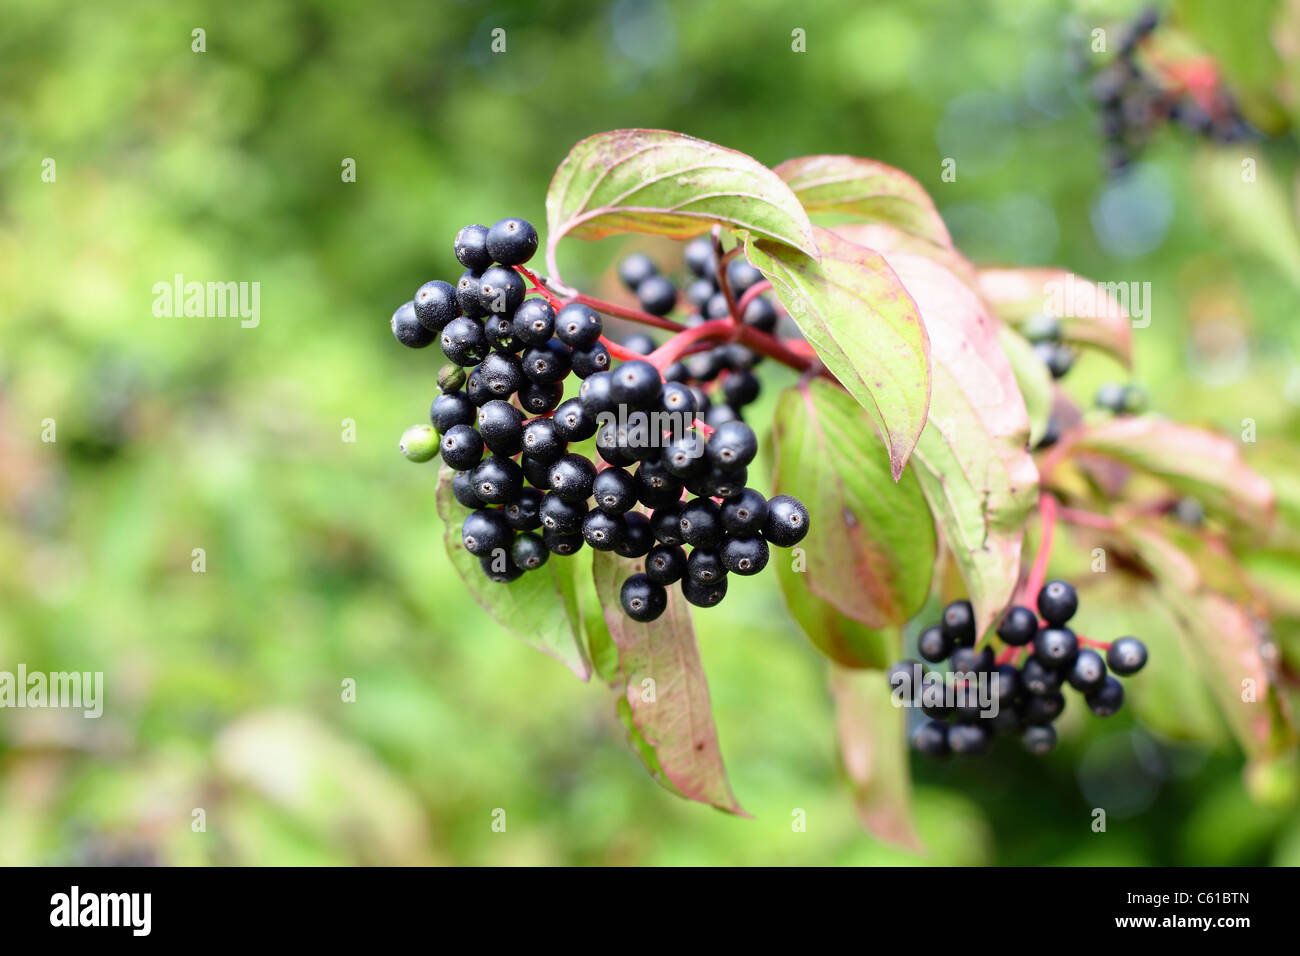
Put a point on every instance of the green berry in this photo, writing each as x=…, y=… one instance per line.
x=419, y=442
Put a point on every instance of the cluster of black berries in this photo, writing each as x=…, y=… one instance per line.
x=645, y=431
x=1134, y=103
x=1121, y=399
x=1044, y=331
x=960, y=699
x=722, y=376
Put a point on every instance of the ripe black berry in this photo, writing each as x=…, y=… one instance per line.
x=1019, y=625
x=541, y=439
x=717, y=483
x=639, y=538
x=497, y=480
x=744, y=555
x=761, y=314
x=657, y=295
x=611, y=444
x=969, y=740
x=501, y=374
x=636, y=384
x=931, y=739
x=1126, y=656
x=1038, y=679
x=715, y=416
x=705, y=566
x=1057, y=602
x=589, y=361
x=679, y=400
x=572, y=477
x=577, y=325
x=1107, y=699
x=745, y=514
x=501, y=426
x=408, y=329
x=450, y=409
x=560, y=543
x=1055, y=647
x=467, y=294
x=547, y=363
x=741, y=275
x=615, y=491
x=933, y=644
x=635, y=269
x=529, y=551
x=700, y=291
x=665, y=564
x=462, y=447
x=572, y=422
x=500, y=332
x=704, y=595
x=717, y=306
x=1039, y=740
x=436, y=305
x=741, y=388
x=1040, y=709
x=1088, y=672
x=462, y=489
x=464, y=342
x=1008, y=683
x=700, y=257
x=967, y=660
x=523, y=513
x=534, y=321
x=511, y=242
x=667, y=525
x=595, y=394
x=640, y=343
x=500, y=569
x=701, y=523
x=485, y=531
x=602, y=531
x=470, y=248
x=475, y=390
x=959, y=623
x=787, y=521
x=539, y=399
x=684, y=458
x=656, y=487
x=642, y=599
x=537, y=472
x=560, y=516
x=732, y=446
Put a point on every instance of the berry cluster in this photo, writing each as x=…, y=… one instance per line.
x=1135, y=100
x=977, y=694
x=532, y=496
x=722, y=376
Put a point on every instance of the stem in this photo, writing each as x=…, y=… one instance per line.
x=1087, y=519
x=617, y=351
x=626, y=312
x=752, y=293
x=538, y=285
x=1047, y=512
x=1089, y=642
x=722, y=260
x=707, y=430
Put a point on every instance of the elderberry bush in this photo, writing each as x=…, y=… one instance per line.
x=974, y=694
x=670, y=464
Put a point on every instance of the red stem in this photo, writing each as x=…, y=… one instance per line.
x=1047, y=513
x=752, y=293
x=1086, y=519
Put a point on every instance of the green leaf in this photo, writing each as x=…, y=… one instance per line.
x=1032, y=378
x=540, y=608
x=873, y=749
x=873, y=549
x=1191, y=460
x=844, y=640
x=866, y=188
x=1092, y=314
x=666, y=184
x=865, y=327
x=972, y=461
x=666, y=697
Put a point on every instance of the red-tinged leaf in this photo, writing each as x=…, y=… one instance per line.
x=540, y=608
x=973, y=465
x=873, y=749
x=865, y=328
x=667, y=184
x=1224, y=643
x=665, y=694
x=1032, y=378
x=888, y=240
x=873, y=549
x=847, y=642
x=866, y=188
x=1191, y=460
x=1095, y=314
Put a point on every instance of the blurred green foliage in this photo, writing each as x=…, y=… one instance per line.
x=324, y=559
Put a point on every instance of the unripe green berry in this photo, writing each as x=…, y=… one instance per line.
x=419, y=442
x=451, y=378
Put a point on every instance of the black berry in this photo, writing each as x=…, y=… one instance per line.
x=511, y=242
x=642, y=599
x=787, y=521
